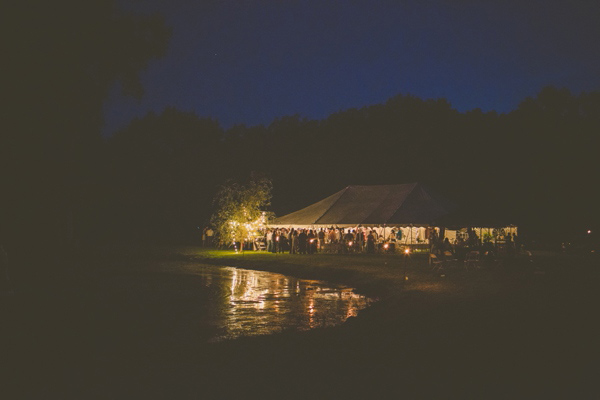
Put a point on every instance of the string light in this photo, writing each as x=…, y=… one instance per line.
x=248, y=230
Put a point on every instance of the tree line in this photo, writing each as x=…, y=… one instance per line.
x=532, y=166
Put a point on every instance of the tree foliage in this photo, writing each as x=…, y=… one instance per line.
x=532, y=164
x=162, y=172
x=61, y=59
x=240, y=209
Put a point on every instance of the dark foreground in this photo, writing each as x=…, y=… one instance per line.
x=521, y=330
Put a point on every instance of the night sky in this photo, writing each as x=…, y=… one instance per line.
x=249, y=62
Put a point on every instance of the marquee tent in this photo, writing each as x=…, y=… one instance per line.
x=391, y=205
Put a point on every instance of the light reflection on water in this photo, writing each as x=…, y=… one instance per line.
x=180, y=306
x=259, y=302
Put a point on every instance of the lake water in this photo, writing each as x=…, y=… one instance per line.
x=258, y=302
x=208, y=303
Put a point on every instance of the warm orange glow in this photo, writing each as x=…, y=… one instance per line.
x=350, y=243
x=257, y=296
x=385, y=246
x=406, y=251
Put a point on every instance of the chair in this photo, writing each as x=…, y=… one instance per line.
x=472, y=260
x=435, y=262
x=449, y=257
x=260, y=245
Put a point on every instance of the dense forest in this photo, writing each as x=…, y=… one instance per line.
x=534, y=167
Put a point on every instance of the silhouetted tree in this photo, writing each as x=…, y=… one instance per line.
x=163, y=170
x=60, y=60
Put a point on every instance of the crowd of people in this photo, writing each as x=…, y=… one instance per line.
x=489, y=245
x=372, y=240
x=375, y=240
x=339, y=240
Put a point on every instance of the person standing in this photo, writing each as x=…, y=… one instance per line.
x=321, y=237
x=371, y=243
x=302, y=238
x=399, y=235
x=348, y=241
x=311, y=241
x=332, y=235
x=276, y=243
x=269, y=240
x=375, y=235
x=295, y=241
x=209, y=236
x=360, y=239
x=283, y=243
x=292, y=241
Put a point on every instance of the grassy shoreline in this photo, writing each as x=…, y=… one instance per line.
x=523, y=330
x=376, y=275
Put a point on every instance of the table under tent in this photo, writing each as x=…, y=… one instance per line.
x=418, y=212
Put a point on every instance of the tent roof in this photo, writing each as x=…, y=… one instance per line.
x=410, y=203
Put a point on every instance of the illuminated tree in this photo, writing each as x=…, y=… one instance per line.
x=240, y=209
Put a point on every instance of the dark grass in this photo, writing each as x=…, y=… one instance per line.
x=526, y=329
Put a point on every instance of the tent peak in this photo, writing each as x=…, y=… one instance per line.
x=370, y=204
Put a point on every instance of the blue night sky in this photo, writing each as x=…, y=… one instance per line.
x=253, y=61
